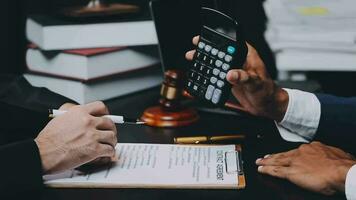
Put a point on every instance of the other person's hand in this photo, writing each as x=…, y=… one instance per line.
x=316, y=167
x=253, y=88
x=76, y=138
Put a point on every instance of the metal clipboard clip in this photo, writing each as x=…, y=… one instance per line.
x=234, y=162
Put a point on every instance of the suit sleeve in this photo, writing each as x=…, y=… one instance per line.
x=20, y=170
x=20, y=123
x=16, y=90
x=337, y=126
x=322, y=117
x=338, y=116
x=24, y=108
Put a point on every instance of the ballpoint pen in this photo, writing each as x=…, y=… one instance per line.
x=207, y=139
x=116, y=119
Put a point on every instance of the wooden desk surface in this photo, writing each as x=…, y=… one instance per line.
x=262, y=138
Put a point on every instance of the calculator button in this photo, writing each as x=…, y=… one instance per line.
x=231, y=50
x=195, y=87
x=220, y=84
x=208, y=71
x=213, y=80
x=209, y=92
x=199, y=78
x=202, y=91
x=190, y=84
x=205, y=82
x=218, y=63
x=208, y=48
x=221, y=55
x=216, y=72
x=214, y=52
x=201, y=68
x=222, y=75
x=211, y=61
x=216, y=96
x=201, y=45
x=192, y=74
x=226, y=66
x=228, y=58
x=205, y=58
x=196, y=65
x=199, y=55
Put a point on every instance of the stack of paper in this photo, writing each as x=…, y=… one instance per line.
x=311, y=35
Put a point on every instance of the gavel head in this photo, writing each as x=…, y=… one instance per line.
x=171, y=112
x=172, y=90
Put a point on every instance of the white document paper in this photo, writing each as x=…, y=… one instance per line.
x=159, y=166
x=306, y=60
x=312, y=12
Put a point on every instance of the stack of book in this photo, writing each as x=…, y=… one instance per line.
x=312, y=35
x=92, y=61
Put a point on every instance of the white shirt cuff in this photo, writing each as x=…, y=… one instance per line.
x=289, y=135
x=302, y=116
x=350, y=184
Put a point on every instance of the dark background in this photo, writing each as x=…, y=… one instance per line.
x=249, y=12
x=14, y=17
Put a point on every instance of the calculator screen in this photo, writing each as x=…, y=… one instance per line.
x=220, y=24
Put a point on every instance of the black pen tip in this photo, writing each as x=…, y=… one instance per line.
x=134, y=121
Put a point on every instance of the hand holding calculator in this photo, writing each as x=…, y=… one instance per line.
x=221, y=47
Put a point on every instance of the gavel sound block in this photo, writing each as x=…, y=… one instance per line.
x=171, y=112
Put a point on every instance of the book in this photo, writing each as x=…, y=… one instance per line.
x=161, y=166
x=54, y=33
x=87, y=64
x=304, y=60
x=85, y=92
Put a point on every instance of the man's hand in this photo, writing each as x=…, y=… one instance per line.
x=254, y=89
x=97, y=162
x=77, y=137
x=314, y=166
x=67, y=106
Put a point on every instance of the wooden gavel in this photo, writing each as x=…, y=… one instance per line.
x=172, y=90
x=171, y=112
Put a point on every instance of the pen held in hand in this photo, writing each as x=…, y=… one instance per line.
x=115, y=118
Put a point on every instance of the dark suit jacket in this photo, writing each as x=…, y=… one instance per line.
x=24, y=113
x=338, y=121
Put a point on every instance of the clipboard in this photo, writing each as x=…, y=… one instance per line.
x=231, y=166
x=238, y=169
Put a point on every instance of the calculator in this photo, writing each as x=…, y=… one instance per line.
x=221, y=47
